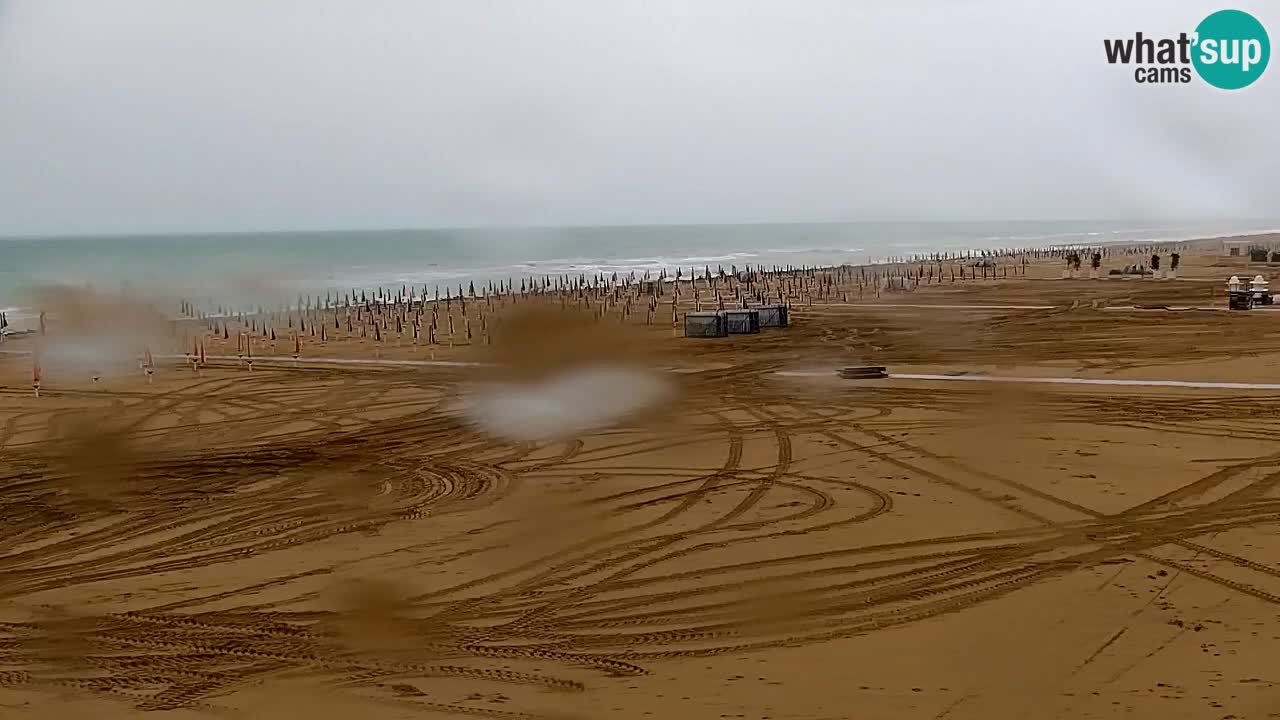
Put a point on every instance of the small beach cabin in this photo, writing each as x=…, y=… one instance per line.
x=1236, y=248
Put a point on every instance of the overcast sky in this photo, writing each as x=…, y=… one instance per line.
x=226, y=115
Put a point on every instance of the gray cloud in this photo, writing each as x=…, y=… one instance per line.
x=150, y=115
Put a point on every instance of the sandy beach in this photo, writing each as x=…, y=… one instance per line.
x=763, y=540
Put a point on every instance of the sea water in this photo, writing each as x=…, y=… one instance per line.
x=270, y=269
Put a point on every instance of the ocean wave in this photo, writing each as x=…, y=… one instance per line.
x=729, y=257
x=814, y=250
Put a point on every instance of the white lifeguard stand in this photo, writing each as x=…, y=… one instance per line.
x=1259, y=291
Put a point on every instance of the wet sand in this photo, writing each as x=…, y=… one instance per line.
x=329, y=540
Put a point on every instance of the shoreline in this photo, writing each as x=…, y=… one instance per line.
x=22, y=317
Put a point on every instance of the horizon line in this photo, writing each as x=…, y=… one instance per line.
x=591, y=226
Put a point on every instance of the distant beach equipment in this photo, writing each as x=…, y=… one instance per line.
x=774, y=316
x=705, y=324
x=739, y=321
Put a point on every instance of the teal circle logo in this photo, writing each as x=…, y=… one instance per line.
x=1232, y=49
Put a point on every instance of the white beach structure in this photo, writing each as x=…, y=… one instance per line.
x=1236, y=248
